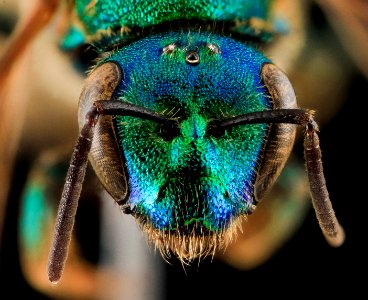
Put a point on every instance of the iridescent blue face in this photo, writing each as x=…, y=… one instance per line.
x=191, y=181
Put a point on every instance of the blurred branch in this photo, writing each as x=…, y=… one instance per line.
x=12, y=107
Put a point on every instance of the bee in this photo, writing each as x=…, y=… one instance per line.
x=186, y=124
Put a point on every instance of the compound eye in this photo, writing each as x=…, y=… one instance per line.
x=104, y=154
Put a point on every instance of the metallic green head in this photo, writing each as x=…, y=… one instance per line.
x=188, y=186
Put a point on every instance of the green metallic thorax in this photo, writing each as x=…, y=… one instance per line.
x=97, y=19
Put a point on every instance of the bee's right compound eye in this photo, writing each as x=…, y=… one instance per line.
x=104, y=155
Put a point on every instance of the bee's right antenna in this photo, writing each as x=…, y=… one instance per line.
x=102, y=84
